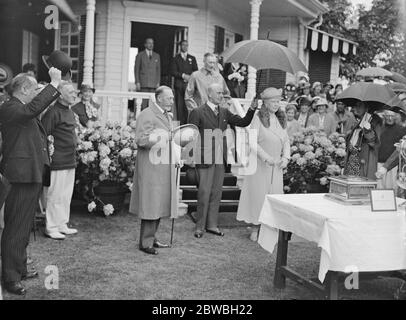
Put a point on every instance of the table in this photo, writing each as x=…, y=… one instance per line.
x=351, y=238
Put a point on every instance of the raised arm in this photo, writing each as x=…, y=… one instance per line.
x=10, y=113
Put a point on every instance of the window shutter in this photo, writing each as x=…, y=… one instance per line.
x=81, y=48
x=320, y=66
x=271, y=77
x=238, y=37
x=219, y=39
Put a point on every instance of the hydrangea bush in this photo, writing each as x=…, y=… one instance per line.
x=105, y=155
x=314, y=158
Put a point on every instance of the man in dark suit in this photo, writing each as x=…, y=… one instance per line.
x=25, y=164
x=147, y=70
x=183, y=65
x=212, y=121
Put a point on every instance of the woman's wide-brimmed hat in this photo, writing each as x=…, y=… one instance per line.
x=60, y=60
x=271, y=93
x=85, y=87
x=321, y=102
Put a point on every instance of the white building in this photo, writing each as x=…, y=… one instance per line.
x=111, y=32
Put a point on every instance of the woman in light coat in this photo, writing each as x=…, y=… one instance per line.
x=273, y=153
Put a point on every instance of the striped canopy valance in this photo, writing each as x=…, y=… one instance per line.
x=320, y=40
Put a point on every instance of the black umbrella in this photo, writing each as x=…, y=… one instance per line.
x=375, y=96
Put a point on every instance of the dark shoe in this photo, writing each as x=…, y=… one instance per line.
x=15, y=288
x=216, y=232
x=198, y=234
x=161, y=245
x=149, y=250
x=30, y=275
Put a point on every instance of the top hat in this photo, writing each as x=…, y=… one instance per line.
x=60, y=60
x=84, y=87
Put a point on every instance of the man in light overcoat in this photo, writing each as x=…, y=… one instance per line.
x=154, y=191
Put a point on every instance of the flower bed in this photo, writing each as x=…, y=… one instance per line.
x=314, y=157
x=105, y=157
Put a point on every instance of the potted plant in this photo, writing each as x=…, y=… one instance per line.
x=314, y=157
x=106, y=162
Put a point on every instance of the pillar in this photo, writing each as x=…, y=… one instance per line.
x=252, y=73
x=89, y=43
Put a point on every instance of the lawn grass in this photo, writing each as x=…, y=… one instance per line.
x=103, y=262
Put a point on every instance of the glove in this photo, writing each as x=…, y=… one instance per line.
x=381, y=172
x=283, y=163
x=269, y=161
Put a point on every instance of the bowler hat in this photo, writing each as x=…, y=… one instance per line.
x=187, y=133
x=60, y=60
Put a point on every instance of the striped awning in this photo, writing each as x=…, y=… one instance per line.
x=320, y=40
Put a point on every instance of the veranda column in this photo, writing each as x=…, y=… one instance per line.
x=301, y=40
x=252, y=73
x=89, y=43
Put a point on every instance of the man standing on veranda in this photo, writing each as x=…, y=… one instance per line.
x=196, y=93
x=147, y=70
x=154, y=190
x=59, y=122
x=211, y=119
x=25, y=164
x=183, y=65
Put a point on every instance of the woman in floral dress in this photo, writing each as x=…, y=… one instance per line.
x=273, y=153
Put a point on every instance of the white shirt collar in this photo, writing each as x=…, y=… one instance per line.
x=159, y=108
x=211, y=105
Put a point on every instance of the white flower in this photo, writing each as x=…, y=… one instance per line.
x=341, y=152
x=102, y=177
x=104, y=164
x=95, y=136
x=301, y=161
x=295, y=156
x=286, y=188
x=108, y=210
x=91, y=206
x=323, y=181
x=126, y=153
x=104, y=150
x=87, y=145
x=309, y=155
x=341, y=140
x=129, y=185
x=116, y=137
x=293, y=149
x=111, y=144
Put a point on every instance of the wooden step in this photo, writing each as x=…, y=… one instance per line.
x=228, y=193
x=225, y=205
x=229, y=180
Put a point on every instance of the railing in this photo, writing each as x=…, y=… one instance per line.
x=114, y=104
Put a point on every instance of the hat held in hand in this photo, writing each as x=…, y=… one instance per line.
x=60, y=60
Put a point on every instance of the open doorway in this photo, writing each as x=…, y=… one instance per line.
x=166, y=42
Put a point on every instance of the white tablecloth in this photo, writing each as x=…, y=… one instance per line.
x=352, y=238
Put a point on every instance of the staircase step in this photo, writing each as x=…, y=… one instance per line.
x=225, y=205
x=228, y=193
x=229, y=179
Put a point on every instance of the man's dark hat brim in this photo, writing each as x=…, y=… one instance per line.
x=67, y=76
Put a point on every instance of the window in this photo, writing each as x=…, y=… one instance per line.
x=69, y=42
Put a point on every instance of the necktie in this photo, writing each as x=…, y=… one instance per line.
x=149, y=55
x=216, y=111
